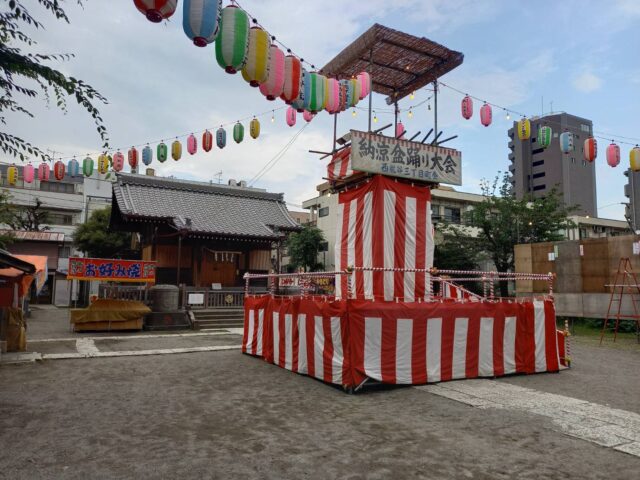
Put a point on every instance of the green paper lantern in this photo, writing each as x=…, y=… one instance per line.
x=232, y=44
x=238, y=132
x=162, y=151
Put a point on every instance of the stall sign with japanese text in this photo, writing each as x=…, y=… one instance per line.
x=111, y=270
x=405, y=159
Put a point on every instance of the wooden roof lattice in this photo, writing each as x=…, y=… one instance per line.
x=399, y=63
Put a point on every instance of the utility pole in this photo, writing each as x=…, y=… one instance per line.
x=219, y=177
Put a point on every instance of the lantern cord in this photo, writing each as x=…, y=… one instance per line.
x=600, y=135
x=277, y=157
x=274, y=38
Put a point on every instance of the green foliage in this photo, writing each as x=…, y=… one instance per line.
x=27, y=74
x=304, y=247
x=6, y=215
x=94, y=238
x=455, y=249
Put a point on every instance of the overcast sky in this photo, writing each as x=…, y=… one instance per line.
x=581, y=55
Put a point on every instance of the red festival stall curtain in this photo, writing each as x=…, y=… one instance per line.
x=345, y=342
x=385, y=223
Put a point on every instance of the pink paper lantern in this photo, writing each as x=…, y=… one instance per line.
x=486, y=115
x=399, y=130
x=28, y=173
x=467, y=107
x=292, y=79
x=274, y=85
x=43, y=172
x=333, y=96
x=118, y=161
x=308, y=116
x=613, y=155
x=192, y=144
x=365, y=84
x=291, y=116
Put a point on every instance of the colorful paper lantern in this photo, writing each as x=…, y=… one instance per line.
x=254, y=128
x=467, y=107
x=613, y=155
x=103, y=164
x=332, y=95
x=486, y=115
x=147, y=155
x=118, y=161
x=298, y=103
x=238, y=132
x=207, y=141
x=28, y=173
x=256, y=69
x=73, y=168
x=292, y=79
x=233, y=40
x=59, y=170
x=12, y=175
x=87, y=166
x=156, y=10
x=162, y=152
x=354, y=92
x=590, y=149
x=272, y=87
x=344, y=94
x=399, y=130
x=221, y=137
x=634, y=159
x=308, y=116
x=544, y=136
x=314, y=92
x=192, y=144
x=176, y=150
x=291, y=115
x=365, y=84
x=524, y=129
x=132, y=157
x=201, y=20
x=566, y=141
x=43, y=172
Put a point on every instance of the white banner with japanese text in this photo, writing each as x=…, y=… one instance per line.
x=401, y=158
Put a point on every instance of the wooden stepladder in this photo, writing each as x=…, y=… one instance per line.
x=625, y=284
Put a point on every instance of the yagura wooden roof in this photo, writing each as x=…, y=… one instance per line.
x=401, y=63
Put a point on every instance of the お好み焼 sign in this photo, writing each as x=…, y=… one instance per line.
x=405, y=159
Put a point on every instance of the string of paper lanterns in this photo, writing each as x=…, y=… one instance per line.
x=523, y=129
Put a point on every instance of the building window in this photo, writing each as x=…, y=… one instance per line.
x=59, y=218
x=64, y=252
x=539, y=175
x=535, y=151
x=435, y=212
x=539, y=187
x=323, y=212
x=452, y=215
x=537, y=163
x=58, y=187
x=585, y=128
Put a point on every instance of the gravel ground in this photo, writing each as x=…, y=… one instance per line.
x=227, y=415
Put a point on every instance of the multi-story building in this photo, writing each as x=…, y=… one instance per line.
x=67, y=203
x=632, y=192
x=536, y=170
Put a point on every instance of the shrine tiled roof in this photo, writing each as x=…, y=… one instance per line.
x=200, y=209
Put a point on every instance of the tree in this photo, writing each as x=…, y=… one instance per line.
x=456, y=250
x=30, y=218
x=304, y=247
x=26, y=74
x=96, y=240
x=504, y=221
x=6, y=215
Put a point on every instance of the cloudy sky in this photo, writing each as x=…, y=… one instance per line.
x=577, y=56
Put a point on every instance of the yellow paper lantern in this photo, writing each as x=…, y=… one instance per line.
x=524, y=129
x=634, y=158
x=176, y=150
x=256, y=70
x=12, y=175
x=103, y=163
x=254, y=128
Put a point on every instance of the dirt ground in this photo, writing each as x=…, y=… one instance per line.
x=227, y=415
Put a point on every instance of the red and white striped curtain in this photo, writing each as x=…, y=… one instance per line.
x=385, y=223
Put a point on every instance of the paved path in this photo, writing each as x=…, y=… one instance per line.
x=592, y=422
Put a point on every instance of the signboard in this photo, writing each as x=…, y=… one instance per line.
x=195, y=299
x=111, y=270
x=401, y=158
